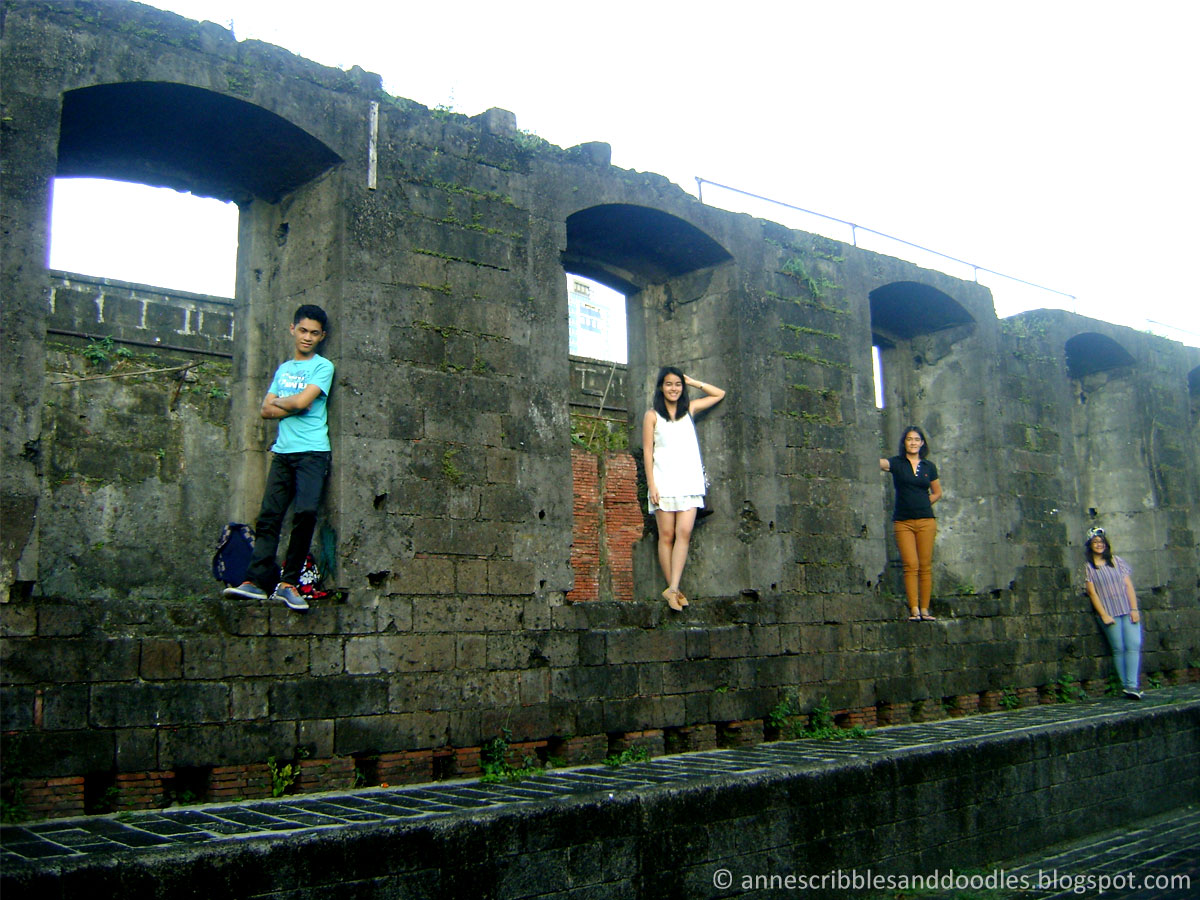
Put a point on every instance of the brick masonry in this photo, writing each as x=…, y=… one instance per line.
x=608, y=522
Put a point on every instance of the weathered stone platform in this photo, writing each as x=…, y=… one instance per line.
x=907, y=799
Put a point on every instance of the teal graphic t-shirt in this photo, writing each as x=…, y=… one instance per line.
x=308, y=430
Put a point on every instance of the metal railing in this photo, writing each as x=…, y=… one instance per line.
x=855, y=228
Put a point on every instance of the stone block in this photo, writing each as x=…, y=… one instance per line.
x=470, y=651
x=326, y=656
x=508, y=577
x=203, y=657
x=17, y=621
x=423, y=575
x=267, y=655
x=161, y=660
x=59, y=753
x=60, y=621
x=17, y=706
x=139, y=703
x=136, y=749
x=367, y=734
x=315, y=737
x=240, y=744
x=248, y=700
x=65, y=707
x=327, y=698
x=28, y=660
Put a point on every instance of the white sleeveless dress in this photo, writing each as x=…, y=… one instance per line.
x=678, y=470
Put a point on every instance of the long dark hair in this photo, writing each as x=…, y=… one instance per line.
x=1107, y=555
x=660, y=402
x=924, y=443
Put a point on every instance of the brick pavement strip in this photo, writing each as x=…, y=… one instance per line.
x=59, y=841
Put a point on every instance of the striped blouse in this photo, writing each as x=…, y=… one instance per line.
x=1109, y=583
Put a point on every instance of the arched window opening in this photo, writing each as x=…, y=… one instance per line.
x=120, y=147
x=913, y=326
x=1089, y=353
x=921, y=345
x=657, y=267
x=145, y=235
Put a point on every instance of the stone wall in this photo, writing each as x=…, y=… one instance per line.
x=438, y=244
x=940, y=808
x=134, y=445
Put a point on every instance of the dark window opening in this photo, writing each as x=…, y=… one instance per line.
x=1089, y=353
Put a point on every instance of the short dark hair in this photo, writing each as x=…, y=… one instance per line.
x=311, y=311
x=660, y=402
x=1107, y=555
x=924, y=451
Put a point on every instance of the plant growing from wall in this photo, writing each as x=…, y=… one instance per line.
x=635, y=753
x=1009, y=698
x=1065, y=690
x=494, y=761
x=102, y=351
x=787, y=718
x=452, y=473
x=282, y=777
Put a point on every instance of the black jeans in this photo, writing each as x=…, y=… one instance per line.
x=298, y=480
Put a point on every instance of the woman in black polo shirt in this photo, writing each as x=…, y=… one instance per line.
x=917, y=489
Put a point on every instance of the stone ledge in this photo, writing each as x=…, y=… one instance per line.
x=954, y=792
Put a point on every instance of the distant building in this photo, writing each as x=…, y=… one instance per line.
x=595, y=320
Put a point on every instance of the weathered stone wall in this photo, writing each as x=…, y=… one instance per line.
x=441, y=265
x=914, y=811
x=133, y=465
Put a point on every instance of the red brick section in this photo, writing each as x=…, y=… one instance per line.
x=585, y=546
x=250, y=782
x=622, y=521
x=142, y=790
x=52, y=798
x=746, y=733
x=991, y=701
x=607, y=523
x=409, y=767
x=692, y=738
x=337, y=774
x=580, y=750
x=651, y=740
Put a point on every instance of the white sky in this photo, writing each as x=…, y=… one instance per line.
x=1054, y=141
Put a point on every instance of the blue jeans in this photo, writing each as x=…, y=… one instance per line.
x=1125, y=637
x=296, y=480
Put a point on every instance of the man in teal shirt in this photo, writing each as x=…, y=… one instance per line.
x=299, y=467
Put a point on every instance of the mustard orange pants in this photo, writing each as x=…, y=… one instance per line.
x=914, y=537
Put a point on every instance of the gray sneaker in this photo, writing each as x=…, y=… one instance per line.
x=247, y=589
x=290, y=596
x=1133, y=693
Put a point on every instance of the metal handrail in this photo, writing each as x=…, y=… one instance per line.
x=855, y=228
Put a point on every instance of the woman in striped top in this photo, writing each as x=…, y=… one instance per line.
x=1110, y=588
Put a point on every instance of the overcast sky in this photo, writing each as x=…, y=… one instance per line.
x=1051, y=141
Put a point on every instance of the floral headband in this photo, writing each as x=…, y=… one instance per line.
x=1094, y=533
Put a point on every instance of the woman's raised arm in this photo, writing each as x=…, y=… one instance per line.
x=712, y=395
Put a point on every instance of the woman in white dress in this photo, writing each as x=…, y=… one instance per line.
x=674, y=472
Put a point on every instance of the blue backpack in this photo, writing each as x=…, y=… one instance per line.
x=234, y=549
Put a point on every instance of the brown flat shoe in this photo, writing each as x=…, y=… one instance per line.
x=672, y=598
x=682, y=599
